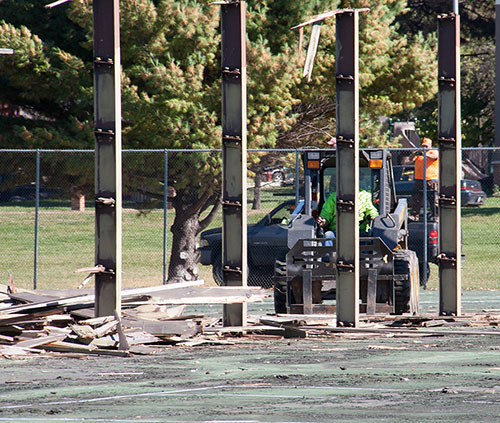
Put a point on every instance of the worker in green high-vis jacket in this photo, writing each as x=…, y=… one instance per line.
x=328, y=216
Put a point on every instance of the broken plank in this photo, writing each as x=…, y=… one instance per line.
x=164, y=328
x=37, y=342
x=84, y=331
x=61, y=346
x=7, y=340
x=106, y=329
x=404, y=331
x=244, y=329
x=97, y=321
x=209, y=295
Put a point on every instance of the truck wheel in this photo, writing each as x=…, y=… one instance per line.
x=406, y=291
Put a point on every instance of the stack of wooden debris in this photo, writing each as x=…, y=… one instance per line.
x=318, y=325
x=151, y=320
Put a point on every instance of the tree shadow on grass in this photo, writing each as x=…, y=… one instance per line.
x=480, y=211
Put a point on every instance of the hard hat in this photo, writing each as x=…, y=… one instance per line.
x=427, y=142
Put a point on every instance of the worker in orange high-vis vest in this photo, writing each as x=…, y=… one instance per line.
x=431, y=174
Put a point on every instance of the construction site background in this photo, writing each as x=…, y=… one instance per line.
x=47, y=211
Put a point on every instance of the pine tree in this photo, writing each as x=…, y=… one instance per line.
x=171, y=86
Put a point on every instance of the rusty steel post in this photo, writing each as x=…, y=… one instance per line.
x=234, y=155
x=450, y=164
x=347, y=46
x=108, y=177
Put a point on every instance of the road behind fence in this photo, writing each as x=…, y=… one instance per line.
x=47, y=210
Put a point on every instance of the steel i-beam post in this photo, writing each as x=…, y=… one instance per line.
x=450, y=164
x=496, y=153
x=234, y=155
x=347, y=168
x=108, y=168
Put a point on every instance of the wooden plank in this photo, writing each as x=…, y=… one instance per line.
x=84, y=331
x=405, y=331
x=83, y=300
x=38, y=342
x=61, y=346
x=164, y=328
x=31, y=297
x=106, y=329
x=7, y=340
x=97, y=321
x=209, y=295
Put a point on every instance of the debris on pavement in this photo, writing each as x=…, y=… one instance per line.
x=154, y=319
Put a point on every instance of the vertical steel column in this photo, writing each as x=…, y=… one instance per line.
x=496, y=154
x=165, y=218
x=347, y=168
x=234, y=155
x=108, y=167
x=450, y=164
x=297, y=177
x=37, y=211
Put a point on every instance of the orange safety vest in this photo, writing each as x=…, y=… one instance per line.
x=432, y=172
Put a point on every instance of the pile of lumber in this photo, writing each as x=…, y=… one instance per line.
x=151, y=319
x=154, y=319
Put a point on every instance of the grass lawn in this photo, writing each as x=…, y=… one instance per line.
x=66, y=243
x=481, y=246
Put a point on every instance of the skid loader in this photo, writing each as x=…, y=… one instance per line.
x=389, y=272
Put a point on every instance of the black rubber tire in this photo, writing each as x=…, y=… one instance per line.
x=279, y=287
x=406, y=291
x=279, y=299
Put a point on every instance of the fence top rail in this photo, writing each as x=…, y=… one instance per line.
x=252, y=150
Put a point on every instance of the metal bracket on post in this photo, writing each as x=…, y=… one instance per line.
x=234, y=151
x=104, y=136
x=450, y=164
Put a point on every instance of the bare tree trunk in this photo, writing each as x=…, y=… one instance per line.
x=184, y=256
x=257, y=191
x=77, y=198
x=183, y=264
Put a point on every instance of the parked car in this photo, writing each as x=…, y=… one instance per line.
x=472, y=194
x=279, y=175
x=27, y=193
x=267, y=241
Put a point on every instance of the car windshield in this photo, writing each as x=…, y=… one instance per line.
x=282, y=213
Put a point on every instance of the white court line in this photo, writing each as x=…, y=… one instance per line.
x=181, y=391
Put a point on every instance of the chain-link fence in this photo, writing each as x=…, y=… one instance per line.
x=47, y=212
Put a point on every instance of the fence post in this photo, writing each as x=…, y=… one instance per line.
x=424, y=194
x=37, y=207
x=165, y=218
x=297, y=177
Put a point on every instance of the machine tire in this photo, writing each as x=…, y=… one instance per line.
x=279, y=290
x=406, y=295
x=279, y=299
